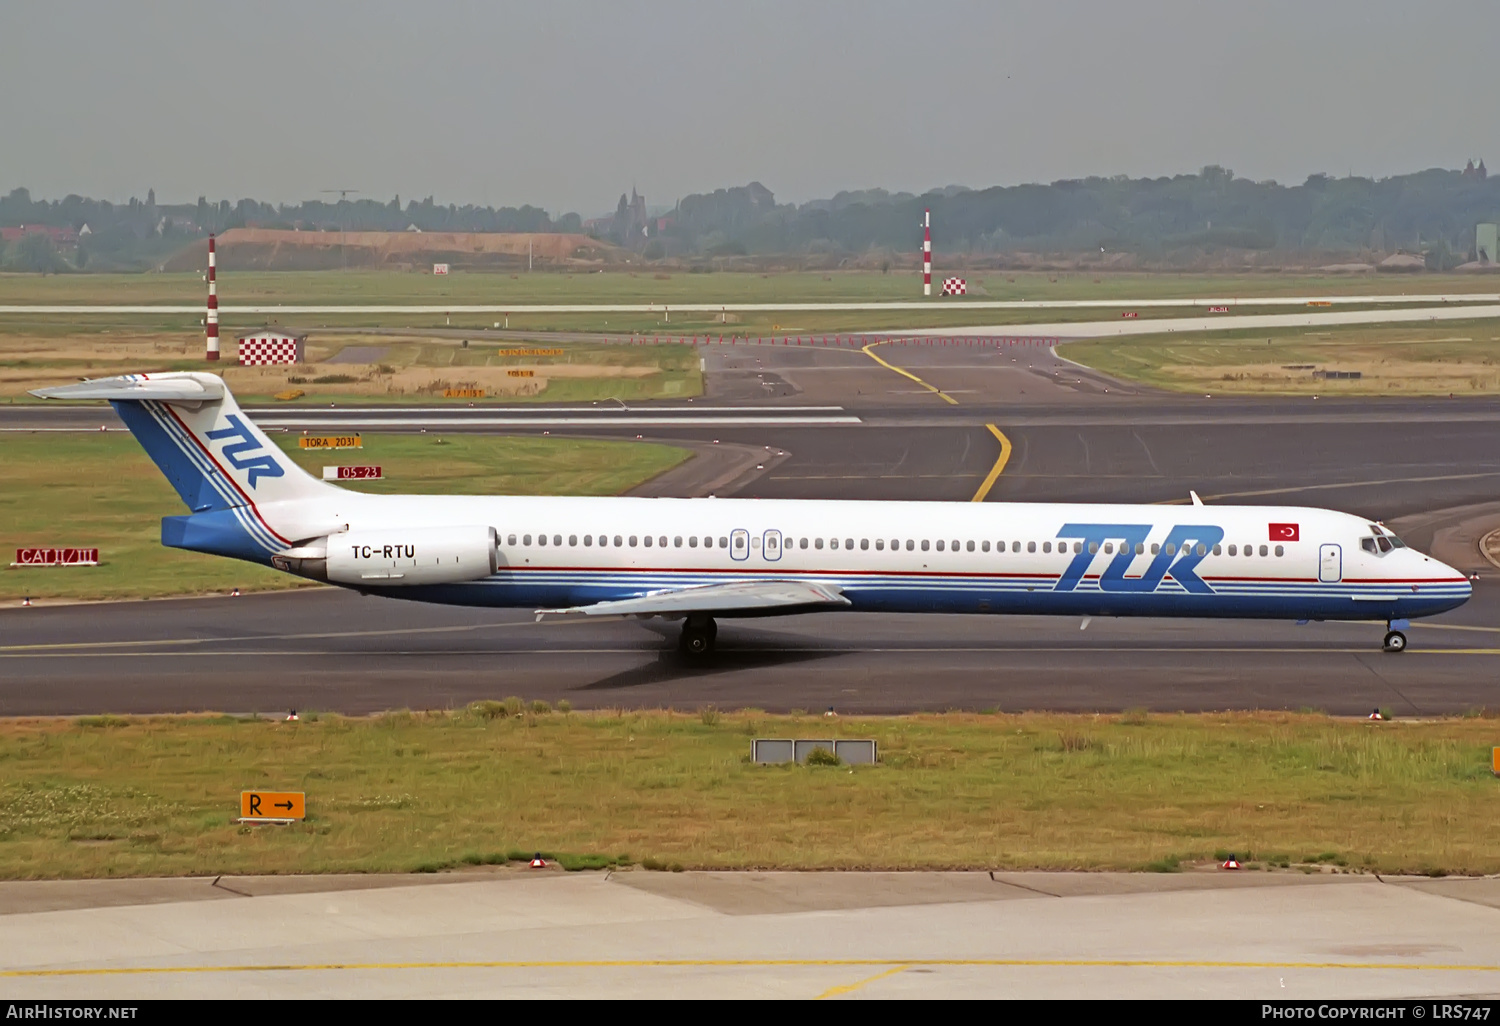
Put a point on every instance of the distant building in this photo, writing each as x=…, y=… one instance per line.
x=414, y=228
x=1487, y=243
x=1470, y=171
x=59, y=236
x=629, y=225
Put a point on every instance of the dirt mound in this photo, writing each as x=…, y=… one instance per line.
x=271, y=249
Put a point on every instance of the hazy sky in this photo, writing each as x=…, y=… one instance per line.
x=565, y=103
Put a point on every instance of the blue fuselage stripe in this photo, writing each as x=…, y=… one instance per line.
x=967, y=593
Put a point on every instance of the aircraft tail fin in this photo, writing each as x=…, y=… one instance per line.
x=210, y=451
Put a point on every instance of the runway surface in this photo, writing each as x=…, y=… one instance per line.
x=1276, y=937
x=333, y=650
x=1429, y=468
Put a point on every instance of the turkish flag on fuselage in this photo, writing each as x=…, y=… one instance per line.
x=1284, y=532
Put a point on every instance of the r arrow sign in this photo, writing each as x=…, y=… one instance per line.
x=272, y=806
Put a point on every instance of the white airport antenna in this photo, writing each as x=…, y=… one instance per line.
x=927, y=252
x=211, y=322
x=343, y=195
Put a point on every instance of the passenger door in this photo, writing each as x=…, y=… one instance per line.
x=771, y=546
x=739, y=544
x=1330, y=564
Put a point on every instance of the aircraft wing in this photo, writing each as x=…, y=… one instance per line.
x=735, y=597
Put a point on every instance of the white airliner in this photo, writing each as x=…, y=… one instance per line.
x=697, y=559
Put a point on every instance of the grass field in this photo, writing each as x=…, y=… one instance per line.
x=1458, y=357
x=106, y=796
x=101, y=490
x=390, y=287
x=389, y=368
x=667, y=288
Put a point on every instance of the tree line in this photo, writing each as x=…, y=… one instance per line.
x=1431, y=212
x=141, y=234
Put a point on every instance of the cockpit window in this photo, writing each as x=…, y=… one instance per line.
x=1384, y=543
x=1375, y=530
x=1368, y=544
x=1397, y=542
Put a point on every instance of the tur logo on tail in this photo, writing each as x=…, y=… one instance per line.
x=238, y=453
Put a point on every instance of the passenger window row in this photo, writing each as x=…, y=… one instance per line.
x=621, y=541
x=909, y=544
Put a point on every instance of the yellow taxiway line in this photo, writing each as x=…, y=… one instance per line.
x=869, y=350
x=1005, y=446
x=998, y=468
x=895, y=964
x=849, y=988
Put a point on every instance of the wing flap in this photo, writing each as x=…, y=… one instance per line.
x=736, y=596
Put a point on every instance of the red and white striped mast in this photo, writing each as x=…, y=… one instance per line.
x=926, y=252
x=212, y=323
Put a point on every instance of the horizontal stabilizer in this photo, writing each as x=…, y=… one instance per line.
x=140, y=387
x=736, y=596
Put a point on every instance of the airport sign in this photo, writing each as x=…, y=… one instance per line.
x=56, y=557
x=439, y=268
x=352, y=473
x=330, y=442
x=530, y=352
x=521, y=373
x=273, y=806
x=463, y=393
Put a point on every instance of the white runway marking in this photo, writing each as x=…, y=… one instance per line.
x=584, y=308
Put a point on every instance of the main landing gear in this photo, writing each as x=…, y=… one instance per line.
x=698, y=634
x=1395, y=641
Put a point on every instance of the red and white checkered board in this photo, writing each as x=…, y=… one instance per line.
x=256, y=352
x=955, y=287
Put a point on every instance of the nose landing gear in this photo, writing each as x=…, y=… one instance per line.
x=1395, y=640
x=698, y=634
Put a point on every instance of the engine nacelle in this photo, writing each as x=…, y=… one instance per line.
x=397, y=556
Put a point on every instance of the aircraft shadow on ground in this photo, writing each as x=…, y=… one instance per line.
x=671, y=665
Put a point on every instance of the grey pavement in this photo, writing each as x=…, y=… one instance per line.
x=1283, y=936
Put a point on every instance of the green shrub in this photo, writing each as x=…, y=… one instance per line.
x=102, y=721
x=823, y=757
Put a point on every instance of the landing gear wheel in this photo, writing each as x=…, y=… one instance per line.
x=1395, y=641
x=698, y=636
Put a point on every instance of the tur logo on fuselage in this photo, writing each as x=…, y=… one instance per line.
x=238, y=453
x=1179, y=555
